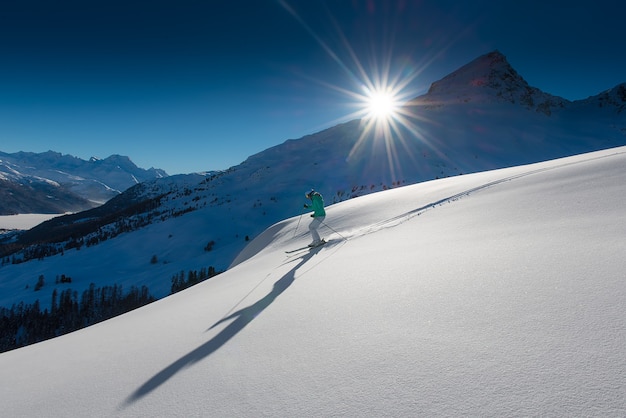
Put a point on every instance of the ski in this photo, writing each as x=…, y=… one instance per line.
x=298, y=249
x=308, y=247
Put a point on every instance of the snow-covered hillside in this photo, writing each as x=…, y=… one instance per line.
x=500, y=293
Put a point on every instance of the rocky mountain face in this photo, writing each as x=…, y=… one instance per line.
x=50, y=182
x=488, y=79
x=491, y=79
x=488, y=110
x=613, y=100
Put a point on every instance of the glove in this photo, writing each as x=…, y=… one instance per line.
x=306, y=206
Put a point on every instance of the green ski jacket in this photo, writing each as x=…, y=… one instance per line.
x=317, y=203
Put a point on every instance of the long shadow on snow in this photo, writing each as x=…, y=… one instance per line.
x=243, y=317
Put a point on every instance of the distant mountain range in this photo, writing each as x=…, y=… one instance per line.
x=50, y=182
x=481, y=117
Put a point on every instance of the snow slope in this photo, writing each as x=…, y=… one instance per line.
x=499, y=293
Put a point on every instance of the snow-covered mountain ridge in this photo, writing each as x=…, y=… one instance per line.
x=173, y=220
x=613, y=99
x=95, y=180
x=490, y=78
x=498, y=293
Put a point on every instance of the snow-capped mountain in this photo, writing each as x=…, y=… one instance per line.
x=499, y=293
x=160, y=228
x=491, y=79
x=91, y=182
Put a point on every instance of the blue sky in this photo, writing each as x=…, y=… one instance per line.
x=194, y=85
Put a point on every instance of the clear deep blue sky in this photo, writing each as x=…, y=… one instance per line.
x=194, y=85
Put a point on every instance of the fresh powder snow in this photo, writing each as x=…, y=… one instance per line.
x=500, y=293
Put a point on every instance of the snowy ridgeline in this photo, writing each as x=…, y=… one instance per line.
x=494, y=294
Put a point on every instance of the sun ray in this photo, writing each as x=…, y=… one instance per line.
x=381, y=97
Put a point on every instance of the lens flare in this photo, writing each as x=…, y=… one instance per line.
x=381, y=96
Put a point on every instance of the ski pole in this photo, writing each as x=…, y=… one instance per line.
x=326, y=225
x=298, y=224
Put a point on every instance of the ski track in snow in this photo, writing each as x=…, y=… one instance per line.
x=397, y=220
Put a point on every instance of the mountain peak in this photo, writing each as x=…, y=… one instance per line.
x=118, y=157
x=485, y=71
x=490, y=78
x=493, y=62
x=494, y=58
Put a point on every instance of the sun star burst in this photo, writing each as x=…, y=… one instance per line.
x=381, y=105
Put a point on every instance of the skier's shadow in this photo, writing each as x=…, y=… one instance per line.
x=243, y=317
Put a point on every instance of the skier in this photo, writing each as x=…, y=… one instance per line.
x=318, y=215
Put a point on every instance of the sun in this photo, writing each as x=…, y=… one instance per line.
x=381, y=105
